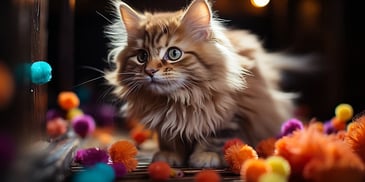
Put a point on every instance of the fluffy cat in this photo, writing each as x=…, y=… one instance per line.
x=195, y=82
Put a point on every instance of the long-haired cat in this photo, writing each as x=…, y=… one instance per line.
x=195, y=82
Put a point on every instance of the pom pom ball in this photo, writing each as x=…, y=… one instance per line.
x=252, y=169
x=236, y=155
x=105, y=138
x=279, y=165
x=100, y=172
x=139, y=135
x=290, y=126
x=159, y=171
x=119, y=169
x=124, y=152
x=266, y=147
x=54, y=113
x=329, y=128
x=272, y=177
x=207, y=175
x=83, y=125
x=177, y=173
x=56, y=127
x=68, y=100
x=229, y=143
x=338, y=124
x=355, y=137
x=91, y=156
x=344, y=112
x=73, y=113
x=40, y=72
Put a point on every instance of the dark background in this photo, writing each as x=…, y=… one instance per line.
x=74, y=38
x=330, y=29
x=69, y=35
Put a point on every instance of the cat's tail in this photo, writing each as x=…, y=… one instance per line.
x=296, y=63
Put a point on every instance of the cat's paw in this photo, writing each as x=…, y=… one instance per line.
x=205, y=160
x=170, y=157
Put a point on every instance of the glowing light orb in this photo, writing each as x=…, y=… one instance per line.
x=259, y=3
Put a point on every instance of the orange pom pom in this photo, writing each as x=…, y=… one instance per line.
x=207, y=175
x=355, y=137
x=266, y=148
x=159, y=171
x=315, y=156
x=338, y=124
x=252, y=169
x=124, y=152
x=237, y=154
x=68, y=100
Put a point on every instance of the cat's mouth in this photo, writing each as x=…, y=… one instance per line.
x=156, y=81
x=161, y=86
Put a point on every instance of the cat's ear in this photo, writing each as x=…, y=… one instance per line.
x=197, y=17
x=129, y=17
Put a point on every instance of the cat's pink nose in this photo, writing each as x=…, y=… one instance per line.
x=150, y=71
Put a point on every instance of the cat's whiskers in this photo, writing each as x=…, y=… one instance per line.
x=88, y=81
x=94, y=69
x=133, y=86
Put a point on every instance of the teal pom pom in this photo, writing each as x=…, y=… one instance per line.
x=106, y=170
x=40, y=72
x=100, y=172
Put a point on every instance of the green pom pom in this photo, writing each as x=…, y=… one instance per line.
x=40, y=72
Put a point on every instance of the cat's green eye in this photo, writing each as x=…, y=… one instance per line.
x=173, y=54
x=142, y=56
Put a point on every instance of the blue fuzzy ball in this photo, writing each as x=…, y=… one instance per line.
x=98, y=173
x=40, y=72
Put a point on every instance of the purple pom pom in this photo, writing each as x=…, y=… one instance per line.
x=120, y=169
x=91, y=156
x=328, y=127
x=83, y=125
x=106, y=114
x=54, y=113
x=290, y=126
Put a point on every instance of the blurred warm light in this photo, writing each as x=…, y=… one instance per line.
x=72, y=4
x=259, y=3
x=7, y=85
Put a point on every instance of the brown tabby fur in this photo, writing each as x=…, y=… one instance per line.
x=224, y=84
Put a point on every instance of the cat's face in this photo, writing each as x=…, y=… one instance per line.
x=167, y=52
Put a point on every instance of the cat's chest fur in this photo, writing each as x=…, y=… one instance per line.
x=191, y=115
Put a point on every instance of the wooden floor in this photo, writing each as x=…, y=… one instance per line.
x=141, y=173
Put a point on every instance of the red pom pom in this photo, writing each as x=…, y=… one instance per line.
x=234, y=141
x=56, y=127
x=159, y=171
x=207, y=175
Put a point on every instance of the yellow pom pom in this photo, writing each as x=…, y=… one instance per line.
x=73, y=113
x=279, y=165
x=344, y=112
x=272, y=177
